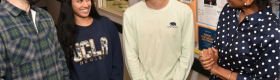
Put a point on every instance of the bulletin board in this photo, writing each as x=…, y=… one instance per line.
x=206, y=14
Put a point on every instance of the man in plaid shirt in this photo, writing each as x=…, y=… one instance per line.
x=29, y=48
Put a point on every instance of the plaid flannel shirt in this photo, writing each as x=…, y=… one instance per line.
x=26, y=54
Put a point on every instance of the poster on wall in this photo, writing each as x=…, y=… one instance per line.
x=206, y=37
x=208, y=12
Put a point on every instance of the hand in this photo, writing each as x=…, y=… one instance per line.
x=215, y=57
x=214, y=54
x=205, y=57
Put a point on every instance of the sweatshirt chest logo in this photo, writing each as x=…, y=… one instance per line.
x=80, y=53
x=172, y=25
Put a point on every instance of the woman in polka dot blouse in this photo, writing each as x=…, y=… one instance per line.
x=246, y=46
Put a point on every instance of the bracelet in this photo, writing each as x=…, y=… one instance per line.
x=229, y=75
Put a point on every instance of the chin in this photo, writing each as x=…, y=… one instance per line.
x=84, y=16
x=230, y=5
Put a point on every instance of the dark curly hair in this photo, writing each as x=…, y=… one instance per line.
x=262, y=3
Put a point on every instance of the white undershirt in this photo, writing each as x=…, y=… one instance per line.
x=33, y=13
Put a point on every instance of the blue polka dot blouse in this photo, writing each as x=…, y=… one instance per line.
x=250, y=48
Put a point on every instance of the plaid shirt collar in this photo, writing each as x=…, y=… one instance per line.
x=13, y=10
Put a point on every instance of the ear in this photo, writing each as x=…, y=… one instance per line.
x=249, y=2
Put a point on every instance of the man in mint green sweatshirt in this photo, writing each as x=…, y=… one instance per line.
x=159, y=40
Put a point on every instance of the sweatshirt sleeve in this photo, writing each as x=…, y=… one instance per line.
x=117, y=66
x=133, y=63
x=187, y=56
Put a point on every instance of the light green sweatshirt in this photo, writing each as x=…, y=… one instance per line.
x=159, y=44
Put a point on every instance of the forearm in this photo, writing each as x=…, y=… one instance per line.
x=183, y=69
x=2, y=69
x=117, y=72
x=3, y=55
x=223, y=73
x=187, y=47
x=62, y=60
x=133, y=62
x=65, y=72
x=135, y=68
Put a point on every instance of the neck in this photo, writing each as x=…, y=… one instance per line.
x=21, y=4
x=86, y=21
x=156, y=4
x=251, y=9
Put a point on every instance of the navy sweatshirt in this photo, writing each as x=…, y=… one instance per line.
x=98, y=54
